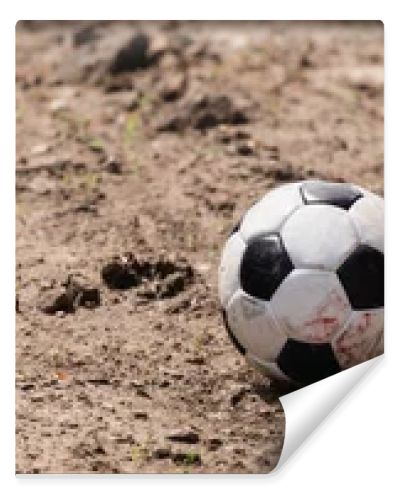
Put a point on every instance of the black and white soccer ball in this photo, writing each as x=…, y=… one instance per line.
x=301, y=280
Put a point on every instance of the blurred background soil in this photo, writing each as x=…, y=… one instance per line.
x=139, y=145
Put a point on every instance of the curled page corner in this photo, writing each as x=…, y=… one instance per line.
x=306, y=408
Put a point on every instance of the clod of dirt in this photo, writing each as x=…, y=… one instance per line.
x=196, y=360
x=214, y=443
x=189, y=458
x=89, y=297
x=27, y=387
x=141, y=415
x=85, y=35
x=238, y=395
x=161, y=453
x=247, y=148
x=121, y=273
x=173, y=86
x=184, y=436
x=168, y=287
x=99, y=381
x=202, y=114
x=210, y=111
x=157, y=279
x=87, y=449
x=113, y=166
x=57, y=301
x=286, y=172
x=227, y=134
x=132, y=56
x=69, y=297
x=118, y=83
x=142, y=393
x=172, y=123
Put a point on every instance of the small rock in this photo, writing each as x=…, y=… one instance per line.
x=196, y=360
x=128, y=439
x=175, y=123
x=306, y=61
x=99, y=381
x=113, y=166
x=214, y=444
x=27, y=387
x=246, y=149
x=203, y=113
x=99, y=450
x=161, y=453
x=58, y=105
x=142, y=393
x=141, y=415
x=67, y=299
x=132, y=56
x=39, y=149
x=37, y=398
x=184, y=436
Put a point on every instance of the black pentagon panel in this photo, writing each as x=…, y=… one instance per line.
x=234, y=340
x=306, y=363
x=265, y=264
x=362, y=277
x=329, y=193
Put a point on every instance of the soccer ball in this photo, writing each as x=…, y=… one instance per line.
x=301, y=280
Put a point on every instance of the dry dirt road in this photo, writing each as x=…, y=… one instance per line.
x=138, y=147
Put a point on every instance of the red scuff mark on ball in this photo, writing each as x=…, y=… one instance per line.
x=321, y=321
x=321, y=327
x=365, y=322
x=326, y=319
x=355, y=343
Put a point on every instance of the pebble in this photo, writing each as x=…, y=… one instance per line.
x=161, y=453
x=184, y=436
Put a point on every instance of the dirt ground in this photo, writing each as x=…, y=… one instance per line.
x=139, y=145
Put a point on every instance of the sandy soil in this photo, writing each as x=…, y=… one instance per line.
x=138, y=147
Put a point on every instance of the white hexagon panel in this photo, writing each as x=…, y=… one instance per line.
x=228, y=272
x=311, y=305
x=319, y=237
x=361, y=339
x=269, y=214
x=367, y=214
x=254, y=327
